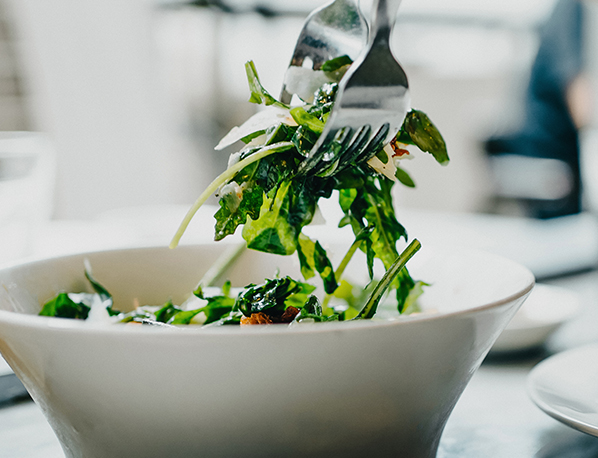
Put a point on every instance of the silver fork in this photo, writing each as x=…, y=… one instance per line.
x=371, y=104
x=333, y=30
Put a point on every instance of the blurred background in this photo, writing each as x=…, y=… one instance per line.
x=133, y=96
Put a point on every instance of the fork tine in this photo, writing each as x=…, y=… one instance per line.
x=326, y=151
x=358, y=143
x=375, y=144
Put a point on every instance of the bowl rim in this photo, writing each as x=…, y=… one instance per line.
x=72, y=325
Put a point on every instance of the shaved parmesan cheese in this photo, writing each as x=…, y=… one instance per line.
x=262, y=120
x=304, y=82
x=389, y=169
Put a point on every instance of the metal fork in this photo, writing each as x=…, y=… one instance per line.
x=371, y=104
x=333, y=30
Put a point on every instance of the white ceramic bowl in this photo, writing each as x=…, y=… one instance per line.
x=377, y=388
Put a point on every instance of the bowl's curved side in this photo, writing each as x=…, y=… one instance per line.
x=379, y=388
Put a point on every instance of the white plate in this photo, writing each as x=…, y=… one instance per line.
x=565, y=386
x=544, y=311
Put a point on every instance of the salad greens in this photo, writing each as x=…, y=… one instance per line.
x=271, y=192
x=277, y=300
x=264, y=190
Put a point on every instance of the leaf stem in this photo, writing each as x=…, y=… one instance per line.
x=223, y=178
x=369, y=310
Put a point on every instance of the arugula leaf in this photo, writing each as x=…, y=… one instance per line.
x=218, y=307
x=313, y=257
x=234, y=210
x=303, y=118
x=312, y=311
x=139, y=315
x=410, y=304
x=167, y=311
x=374, y=204
x=336, y=63
x=271, y=232
x=404, y=178
x=418, y=130
x=305, y=251
x=63, y=306
x=271, y=297
x=105, y=297
x=259, y=95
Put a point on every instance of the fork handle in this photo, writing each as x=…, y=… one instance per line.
x=384, y=16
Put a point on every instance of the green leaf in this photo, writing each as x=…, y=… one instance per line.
x=303, y=118
x=325, y=269
x=252, y=135
x=300, y=296
x=387, y=230
x=269, y=297
x=271, y=232
x=167, y=311
x=97, y=287
x=104, y=296
x=410, y=304
x=418, y=130
x=336, y=63
x=404, y=178
x=218, y=307
x=259, y=95
x=305, y=250
x=312, y=311
x=232, y=318
x=235, y=210
x=312, y=257
x=346, y=197
x=63, y=306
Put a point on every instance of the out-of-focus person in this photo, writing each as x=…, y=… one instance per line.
x=557, y=105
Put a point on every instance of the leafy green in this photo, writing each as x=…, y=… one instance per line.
x=419, y=130
x=404, y=178
x=63, y=306
x=312, y=311
x=271, y=231
x=336, y=63
x=259, y=95
x=272, y=296
x=313, y=257
x=78, y=305
x=168, y=311
x=310, y=121
x=272, y=189
x=235, y=209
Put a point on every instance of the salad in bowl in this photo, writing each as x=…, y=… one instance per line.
x=270, y=198
x=342, y=351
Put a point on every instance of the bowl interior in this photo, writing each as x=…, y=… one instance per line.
x=459, y=279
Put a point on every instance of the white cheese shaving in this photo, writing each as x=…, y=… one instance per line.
x=389, y=169
x=304, y=82
x=262, y=120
